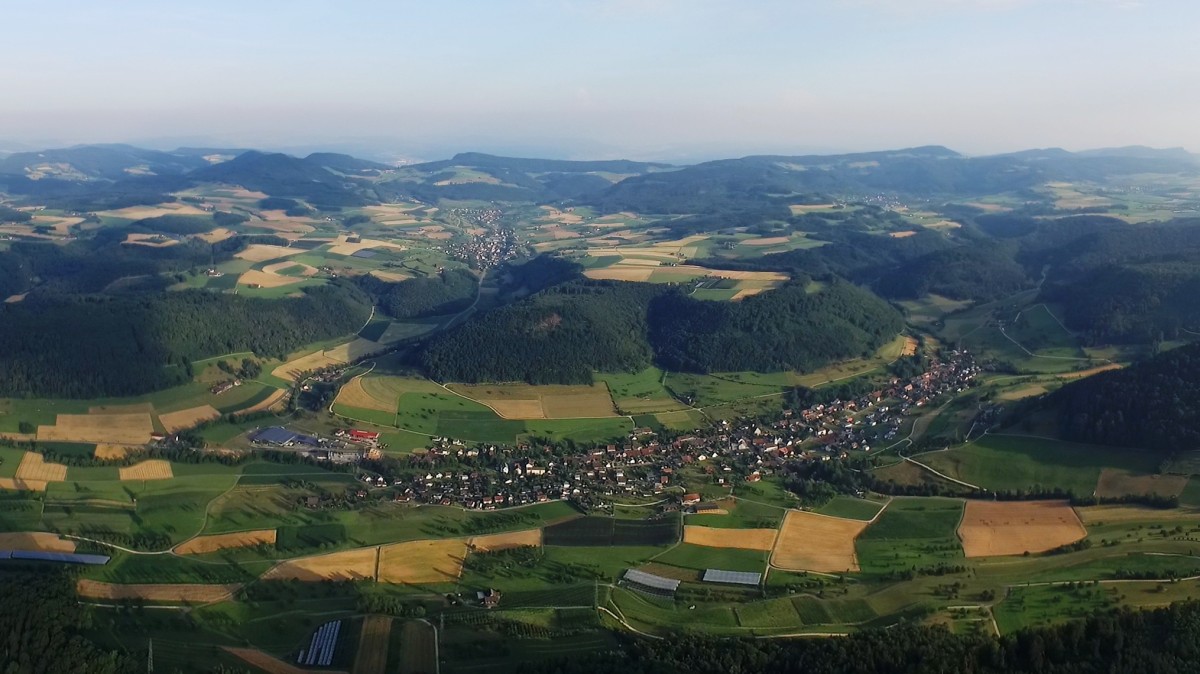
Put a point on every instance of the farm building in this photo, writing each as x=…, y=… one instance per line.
x=275, y=435
x=364, y=436
x=640, y=580
x=731, y=577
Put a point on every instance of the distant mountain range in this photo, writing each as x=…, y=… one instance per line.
x=748, y=184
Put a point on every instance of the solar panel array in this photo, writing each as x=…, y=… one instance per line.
x=320, y=649
x=64, y=557
x=650, y=580
x=731, y=577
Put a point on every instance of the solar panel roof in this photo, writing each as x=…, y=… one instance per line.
x=734, y=577
x=651, y=580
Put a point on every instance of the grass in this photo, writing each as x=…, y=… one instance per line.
x=699, y=557
x=1019, y=463
x=913, y=533
x=850, y=508
x=640, y=392
x=1191, y=493
x=1041, y=605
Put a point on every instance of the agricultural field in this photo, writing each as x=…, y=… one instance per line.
x=523, y=401
x=811, y=542
x=997, y=528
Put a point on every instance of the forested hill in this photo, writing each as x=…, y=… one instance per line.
x=559, y=336
x=1154, y=404
x=77, y=347
x=786, y=329
x=1161, y=641
x=564, y=334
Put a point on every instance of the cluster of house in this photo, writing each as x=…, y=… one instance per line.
x=493, y=477
x=223, y=386
x=492, y=245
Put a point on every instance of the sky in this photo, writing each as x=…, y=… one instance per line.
x=644, y=79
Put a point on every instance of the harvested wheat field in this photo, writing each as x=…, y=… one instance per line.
x=798, y=209
x=1022, y=393
x=903, y=235
x=812, y=542
x=267, y=404
x=551, y=401
x=356, y=564
x=429, y=561
x=262, y=279
x=741, y=539
x=154, y=469
x=373, y=645
x=621, y=273
x=36, y=540
x=34, y=467
x=354, y=395
x=531, y=538
x=910, y=346
x=294, y=268
x=193, y=593
x=117, y=429
x=143, y=212
x=1115, y=482
x=342, y=246
x=746, y=292
x=14, y=484
x=213, y=543
x=994, y=528
x=215, y=236
x=258, y=252
x=390, y=276
x=269, y=663
x=766, y=241
x=13, y=299
x=178, y=421
x=1080, y=374
x=1098, y=514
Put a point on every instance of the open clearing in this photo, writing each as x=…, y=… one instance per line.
x=1080, y=374
x=242, y=539
x=1132, y=513
x=430, y=561
x=262, y=279
x=150, y=240
x=183, y=419
x=268, y=403
x=1116, y=482
x=995, y=528
x=36, y=540
x=910, y=346
x=155, y=469
x=34, y=467
x=196, y=594
x=117, y=429
x=343, y=247
x=531, y=538
x=523, y=401
x=346, y=565
x=741, y=539
x=22, y=485
x=390, y=276
x=373, y=645
x=143, y=212
x=353, y=394
x=338, y=355
x=812, y=542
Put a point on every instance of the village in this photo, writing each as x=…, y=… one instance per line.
x=647, y=464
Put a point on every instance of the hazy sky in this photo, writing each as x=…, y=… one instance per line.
x=637, y=78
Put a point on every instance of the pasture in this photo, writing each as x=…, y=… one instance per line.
x=997, y=528
x=911, y=533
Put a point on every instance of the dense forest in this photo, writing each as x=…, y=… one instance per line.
x=979, y=273
x=563, y=334
x=786, y=329
x=85, y=347
x=43, y=627
x=1153, y=404
x=446, y=292
x=1160, y=641
x=559, y=336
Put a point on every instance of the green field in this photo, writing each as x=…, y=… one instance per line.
x=912, y=533
x=1024, y=463
x=700, y=557
x=851, y=508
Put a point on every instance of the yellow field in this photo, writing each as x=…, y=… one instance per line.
x=390, y=276
x=621, y=273
x=431, y=561
x=36, y=540
x=373, y=645
x=766, y=241
x=143, y=212
x=268, y=663
x=35, y=468
x=1132, y=513
x=799, y=209
x=342, y=247
x=903, y=235
x=13, y=299
x=812, y=542
x=110, y=452
x=910, y=346
x=1080, y=374
x=994, y=528
x=178, y=421
x=524, y=401
x=196, y=594
x=353, y=395
x=216, y=235
x=1116, y=482
x=242, y=539
x=1023, y=392
x=513, y=539
x=257, y=252
x=338, y=355
x=346, y=565
x=268, y=403
x=741, y=539
x=154, y=469
x=262, y=279
x=14, y=484
x=117, y=429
